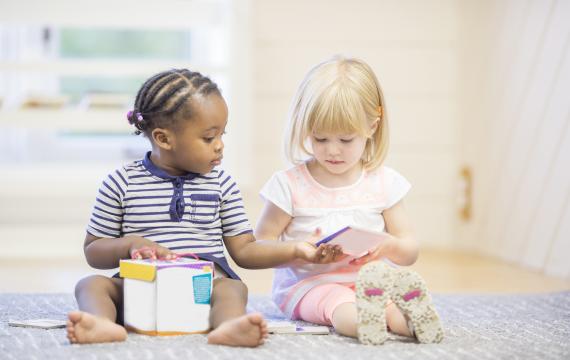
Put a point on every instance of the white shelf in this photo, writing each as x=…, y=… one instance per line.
x=113, y=121
x=103, y=67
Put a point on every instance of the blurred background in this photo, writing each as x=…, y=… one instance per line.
x=477, y=96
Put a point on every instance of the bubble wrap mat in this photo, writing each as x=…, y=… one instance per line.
x=477, y=327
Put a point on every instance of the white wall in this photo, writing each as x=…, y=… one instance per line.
x=414, y=48
x=481, y=84
x=517, y=134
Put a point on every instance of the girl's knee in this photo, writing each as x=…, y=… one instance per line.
x=230, y=286
x=96, y=283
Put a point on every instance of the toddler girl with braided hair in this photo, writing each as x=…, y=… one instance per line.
x=174, y=201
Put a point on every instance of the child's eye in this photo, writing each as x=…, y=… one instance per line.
x=209, y=139
x=346, y=140
x=320, y=140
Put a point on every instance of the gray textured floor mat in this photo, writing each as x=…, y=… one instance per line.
x=477, y=327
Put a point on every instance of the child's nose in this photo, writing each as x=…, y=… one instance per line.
x=333, y=149
x=219, y=146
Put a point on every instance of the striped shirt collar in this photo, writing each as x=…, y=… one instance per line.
x=156, y=171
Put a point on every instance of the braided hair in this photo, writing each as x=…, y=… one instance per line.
x=161, y=99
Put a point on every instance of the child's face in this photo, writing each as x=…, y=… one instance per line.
x=338, y=153
x=198, y=145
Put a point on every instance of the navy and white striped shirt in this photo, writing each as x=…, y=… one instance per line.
x=187, y=213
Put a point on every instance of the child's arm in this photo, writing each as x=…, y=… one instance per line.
x=105, y=253
x=251, y=254
x=402, y=247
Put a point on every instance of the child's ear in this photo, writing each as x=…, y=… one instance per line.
x=162, y=138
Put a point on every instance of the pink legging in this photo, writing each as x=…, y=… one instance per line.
x=318, y=305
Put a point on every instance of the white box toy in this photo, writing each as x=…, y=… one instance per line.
x=167, y=297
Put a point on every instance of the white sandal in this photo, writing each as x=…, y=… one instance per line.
x=410, y=294
x=373, y=289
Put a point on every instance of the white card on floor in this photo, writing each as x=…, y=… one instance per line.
x=281, y=327
x=38, y=323
x=312, y=330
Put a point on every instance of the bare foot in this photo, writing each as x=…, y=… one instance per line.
x=85, y=328
x=248, y=330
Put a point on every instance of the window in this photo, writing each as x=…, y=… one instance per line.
x=65, y=87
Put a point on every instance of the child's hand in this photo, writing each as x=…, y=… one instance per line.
x=383, y=250
x=142, y=248
x=323, y=254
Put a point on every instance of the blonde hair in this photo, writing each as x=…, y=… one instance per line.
x=340, y=95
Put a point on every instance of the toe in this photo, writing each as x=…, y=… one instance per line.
x=74, y=316
x=256, y=318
